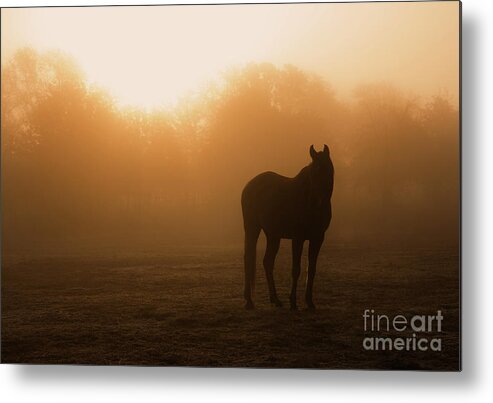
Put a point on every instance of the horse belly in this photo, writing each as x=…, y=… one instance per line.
x=277, y=224
x=291, y=223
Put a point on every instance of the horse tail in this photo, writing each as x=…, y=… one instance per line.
x=252, y=232
x=250, y=257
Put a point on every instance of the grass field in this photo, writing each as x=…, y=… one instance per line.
x=184, y=306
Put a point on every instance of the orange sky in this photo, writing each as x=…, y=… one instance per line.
x=150, y=56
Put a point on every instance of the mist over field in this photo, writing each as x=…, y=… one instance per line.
x=76, y=166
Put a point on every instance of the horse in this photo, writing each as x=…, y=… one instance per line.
x=296, y=208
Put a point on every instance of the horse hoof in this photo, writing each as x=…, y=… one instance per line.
x=249, y=306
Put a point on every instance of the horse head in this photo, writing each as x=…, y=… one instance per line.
x=321, y=175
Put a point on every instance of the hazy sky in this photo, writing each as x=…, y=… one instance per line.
x=153, y=55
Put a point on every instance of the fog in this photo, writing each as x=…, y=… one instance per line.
x=77, y=165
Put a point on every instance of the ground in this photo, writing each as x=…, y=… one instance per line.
x=184, y=306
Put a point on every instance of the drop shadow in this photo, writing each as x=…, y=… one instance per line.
x=471, y=196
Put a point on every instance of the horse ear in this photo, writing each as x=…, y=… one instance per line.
x=313, y=153
x=326, y=150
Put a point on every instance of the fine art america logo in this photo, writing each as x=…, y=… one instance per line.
x=402, y=333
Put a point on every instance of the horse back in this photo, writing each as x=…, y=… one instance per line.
x=280, y=206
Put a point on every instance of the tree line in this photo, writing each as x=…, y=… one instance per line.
x=76, y=164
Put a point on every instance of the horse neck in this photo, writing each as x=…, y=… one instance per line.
x=302, y=179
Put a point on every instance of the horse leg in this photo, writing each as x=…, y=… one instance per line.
x=251, y=237
x=269, y=258
x=297, y=250
x=313, y=251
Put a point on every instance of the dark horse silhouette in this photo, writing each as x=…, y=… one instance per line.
x=290, y=208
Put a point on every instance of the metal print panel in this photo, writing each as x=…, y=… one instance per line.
x=265, y=185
